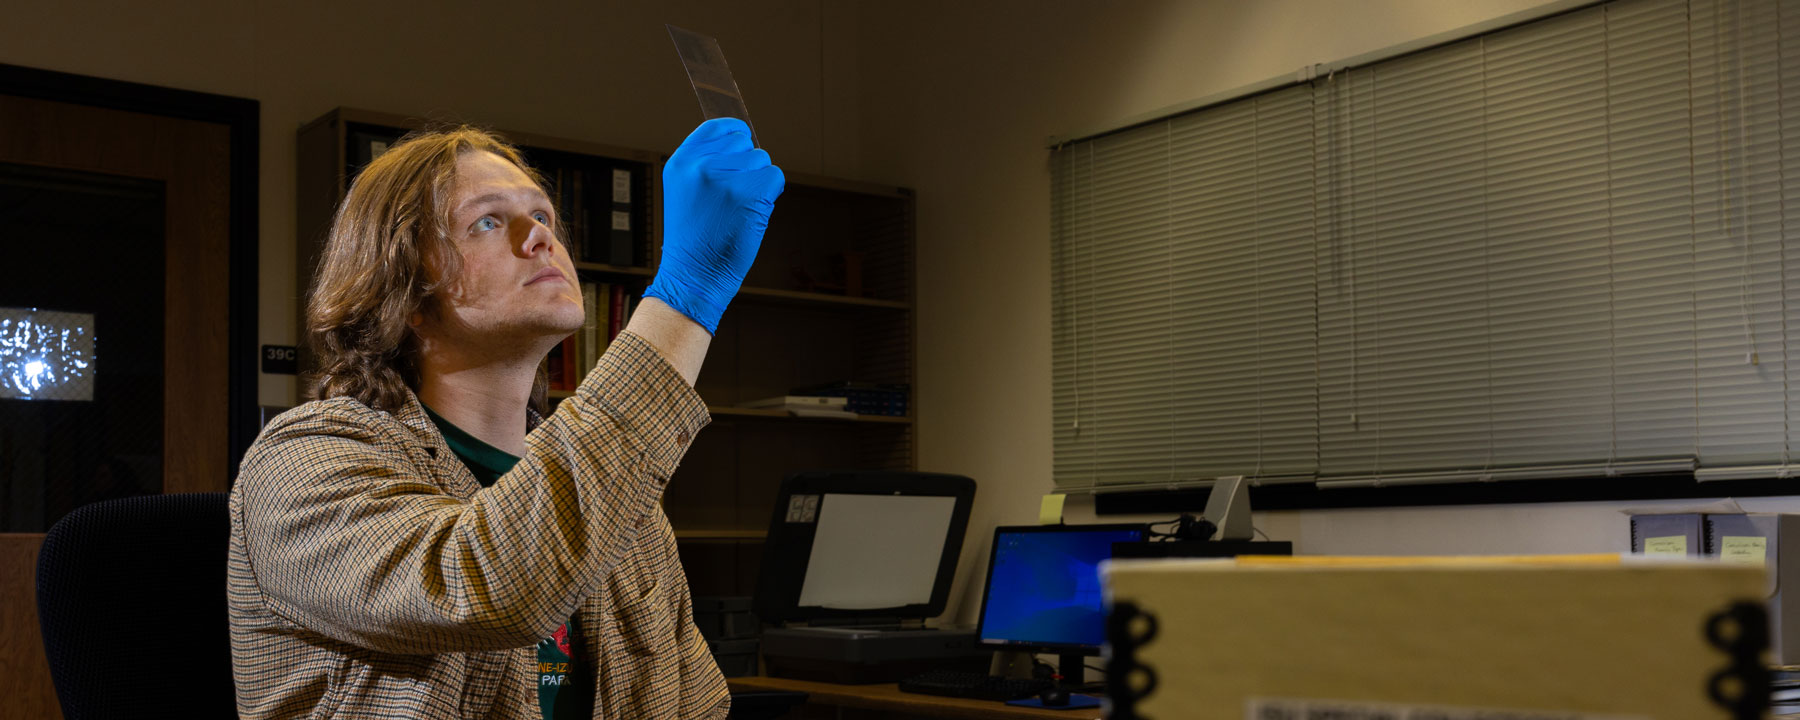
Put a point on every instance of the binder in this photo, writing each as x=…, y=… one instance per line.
x=621, y=233
x=1572, y=638
x=1678, y=534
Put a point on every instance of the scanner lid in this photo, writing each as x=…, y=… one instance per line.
x=863, y=544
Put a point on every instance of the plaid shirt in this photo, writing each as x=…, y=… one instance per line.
x=372, y=576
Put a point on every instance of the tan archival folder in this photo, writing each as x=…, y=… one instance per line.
x=1557, y=638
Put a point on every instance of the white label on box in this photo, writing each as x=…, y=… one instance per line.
x=621, y=220
x=1671, y=545
x=621, y=186
x=1752, y=550
x=1290, y=709
x=376, y=148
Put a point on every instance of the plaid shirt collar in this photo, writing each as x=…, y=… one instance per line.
x=425, y=432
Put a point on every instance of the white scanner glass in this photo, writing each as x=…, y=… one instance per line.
x=876, y=551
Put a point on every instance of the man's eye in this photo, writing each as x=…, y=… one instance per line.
x=485, y=224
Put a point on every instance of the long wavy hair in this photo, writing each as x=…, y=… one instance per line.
x=389, y=239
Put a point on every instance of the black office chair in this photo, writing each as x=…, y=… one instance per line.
x=764, y=705
x=131, y=603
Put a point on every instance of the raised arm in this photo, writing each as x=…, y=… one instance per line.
x=348, y=536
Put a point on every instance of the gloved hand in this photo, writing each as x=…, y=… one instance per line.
x=718, y=191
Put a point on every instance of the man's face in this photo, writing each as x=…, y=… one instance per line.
x=518, y=284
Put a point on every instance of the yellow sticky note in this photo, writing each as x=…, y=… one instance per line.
x=1753, y=550
x=1050, y=510
x=1671, y=545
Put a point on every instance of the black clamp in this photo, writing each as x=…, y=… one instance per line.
x=1747, y=676
x=1123, y=666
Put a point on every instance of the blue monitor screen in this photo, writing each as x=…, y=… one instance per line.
x=1043, y=588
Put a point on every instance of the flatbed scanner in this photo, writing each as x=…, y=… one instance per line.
x=854, y=564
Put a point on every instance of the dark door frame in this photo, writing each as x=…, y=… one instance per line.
x=243, y=116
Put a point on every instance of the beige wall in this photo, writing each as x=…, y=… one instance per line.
x=599, y=71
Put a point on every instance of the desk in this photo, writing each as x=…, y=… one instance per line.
x=888, y=700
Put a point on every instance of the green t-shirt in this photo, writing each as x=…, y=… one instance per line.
x=563, y=691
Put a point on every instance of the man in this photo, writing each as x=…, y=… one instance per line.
x=420, y=542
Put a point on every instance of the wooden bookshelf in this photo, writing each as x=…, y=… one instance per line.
x=830, y=299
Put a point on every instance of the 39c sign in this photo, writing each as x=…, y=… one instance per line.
x=280, y=360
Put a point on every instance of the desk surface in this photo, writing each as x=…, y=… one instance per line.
x=888, y=697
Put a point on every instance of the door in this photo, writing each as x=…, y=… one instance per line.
x=115, y=298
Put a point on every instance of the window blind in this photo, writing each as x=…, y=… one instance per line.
x=1553, y=250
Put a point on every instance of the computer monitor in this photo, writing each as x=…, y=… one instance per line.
x=1043, y=589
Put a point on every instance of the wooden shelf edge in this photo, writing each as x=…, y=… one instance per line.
x=615, y=269
x=729, y=411
x=754, y=293
x=527, y=139
x=747, y=412
x=845, y=185
x=782, y=415
x=821, y=298
x=702, y=534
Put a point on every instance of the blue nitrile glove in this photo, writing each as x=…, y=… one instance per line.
x=718, y=191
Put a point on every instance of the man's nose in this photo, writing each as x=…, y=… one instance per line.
x=538, y=238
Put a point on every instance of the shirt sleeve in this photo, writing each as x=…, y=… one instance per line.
x=347, y=536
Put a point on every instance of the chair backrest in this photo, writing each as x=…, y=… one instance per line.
x=131, y=602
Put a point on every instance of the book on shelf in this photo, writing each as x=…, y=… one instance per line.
x=797, y=402
x=615, y=315
x=553, y=368
x=590, y=327
x=366, y=143
x=810, y=406
x=621, y=239
x=562, y=192
x=865, y=397
x=577, y=221
x=606, y=309
x=620, y=306
x=572, y=370
x=562, y=366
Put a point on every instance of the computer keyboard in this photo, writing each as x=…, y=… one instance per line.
x=979, y=686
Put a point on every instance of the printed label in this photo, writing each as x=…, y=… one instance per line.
x=621, y=220
x=376, y=148
x=621, y=186
x=803, y=509
x=1289, y=709
x=1752, y=550
x=1672, y=545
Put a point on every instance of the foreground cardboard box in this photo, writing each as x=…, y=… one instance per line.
x=1563, y=638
